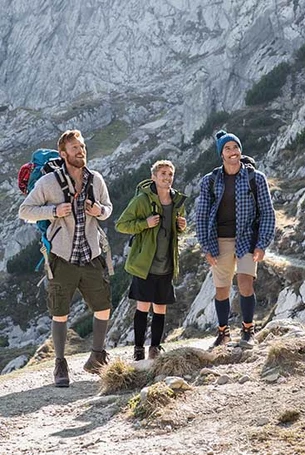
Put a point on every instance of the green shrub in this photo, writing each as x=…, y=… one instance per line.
x=123, y=189
x=106, y=140
x=298, y=142
x=26, y=260
x=83, y=326
x=300, y=57
x=205, y=163
x=269, y=87
x=215, y=120
x=3, y=342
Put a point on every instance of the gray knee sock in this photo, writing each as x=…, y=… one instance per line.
x=99, y=329
x=59, y=335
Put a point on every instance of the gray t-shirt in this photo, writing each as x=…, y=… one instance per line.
x=163, y=262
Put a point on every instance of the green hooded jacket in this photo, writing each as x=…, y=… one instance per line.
x=144, y=242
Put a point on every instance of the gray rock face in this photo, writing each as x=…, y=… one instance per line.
x=161, y=66
x=199, y=54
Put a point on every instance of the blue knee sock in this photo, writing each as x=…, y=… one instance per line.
x=247, y=306
x=223, y=310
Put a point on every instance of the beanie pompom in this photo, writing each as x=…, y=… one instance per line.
x=220, y=133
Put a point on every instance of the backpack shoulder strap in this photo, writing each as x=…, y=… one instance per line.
x=89, y=188
x=252, y=183
x=63, y=183
x=212, y=182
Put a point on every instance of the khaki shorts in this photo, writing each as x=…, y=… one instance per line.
x=90, y=279
x=228, y=264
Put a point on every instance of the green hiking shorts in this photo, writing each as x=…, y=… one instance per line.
x=91, y=280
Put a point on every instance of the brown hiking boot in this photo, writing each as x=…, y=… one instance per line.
x=223, y=337
x=61, y=376
x=95, y=362
x=154, y=351
x=139, y=353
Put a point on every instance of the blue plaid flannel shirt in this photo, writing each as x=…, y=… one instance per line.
x=206, y=213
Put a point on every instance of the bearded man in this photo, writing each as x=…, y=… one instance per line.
x=75, y=257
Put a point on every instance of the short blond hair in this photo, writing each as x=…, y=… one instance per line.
x=161, y=163
x=66, y=137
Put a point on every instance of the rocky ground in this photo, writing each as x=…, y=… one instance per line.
x=241, y=403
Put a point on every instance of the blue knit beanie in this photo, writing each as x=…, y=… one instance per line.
x=222, y=137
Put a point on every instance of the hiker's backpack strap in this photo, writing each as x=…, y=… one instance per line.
x=89, y=189
x=212, y=182
x=154, y=208
x=181, y=202
x=252, y=185
x=106, y=249
x=63, y=183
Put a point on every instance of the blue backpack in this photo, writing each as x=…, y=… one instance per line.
x=43, y=161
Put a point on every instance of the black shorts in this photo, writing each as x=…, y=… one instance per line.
x=157, y=289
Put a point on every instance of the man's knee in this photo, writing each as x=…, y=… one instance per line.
x=222, y=293
x=245, y=284
x=102, y=315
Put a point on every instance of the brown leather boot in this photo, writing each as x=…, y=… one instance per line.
x=61, y=376
x=96, y=360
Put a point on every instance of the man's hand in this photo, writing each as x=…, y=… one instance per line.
x=153, y=221
x=181, y=223
x=210, y=259
x=95, y=209
x=258, y=255
x=63, y=209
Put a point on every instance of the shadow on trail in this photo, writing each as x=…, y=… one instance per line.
x=25, y=402
x=94, y=415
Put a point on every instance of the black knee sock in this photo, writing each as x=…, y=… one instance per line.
x=247, y=306
x=140, y=324
x=223, y=310
x=157, y=328
x=59, y=335
x=99, y=330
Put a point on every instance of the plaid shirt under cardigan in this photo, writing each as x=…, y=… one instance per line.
x=206, y=213
x=81, y=253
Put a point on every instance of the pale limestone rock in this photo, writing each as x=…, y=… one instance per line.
x=15, y=364
x=176, y=383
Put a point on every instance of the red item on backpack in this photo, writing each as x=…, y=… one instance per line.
x=23, y=177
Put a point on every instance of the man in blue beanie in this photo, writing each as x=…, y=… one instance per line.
x=234, y=228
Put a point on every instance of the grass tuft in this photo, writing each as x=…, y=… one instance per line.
x=288, y=355
x=289, y=416
x=158, y=396
x=181, y=361
x=119, y=375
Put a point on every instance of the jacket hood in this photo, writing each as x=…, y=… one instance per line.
x=148, y=187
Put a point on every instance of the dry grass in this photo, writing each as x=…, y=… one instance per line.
x=181, y=361
x=120, y=375
x=270, y=434
x=158, y=396
x=288, y=355
x=289, y=416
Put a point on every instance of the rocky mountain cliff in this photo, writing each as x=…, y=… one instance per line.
x=140, y=80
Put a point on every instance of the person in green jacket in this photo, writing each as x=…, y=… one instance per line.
x=154, y=218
